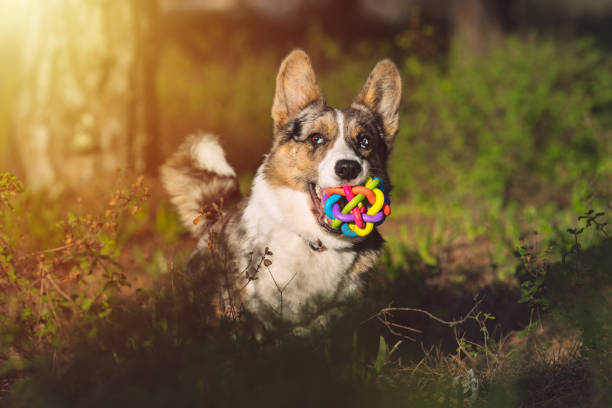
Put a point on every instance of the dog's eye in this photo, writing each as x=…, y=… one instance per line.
x=316, y=139
x=364, y=141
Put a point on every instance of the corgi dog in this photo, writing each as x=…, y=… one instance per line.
x=280, y=254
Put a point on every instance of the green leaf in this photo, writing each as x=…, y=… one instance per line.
x=87, y=304
x=381, y=358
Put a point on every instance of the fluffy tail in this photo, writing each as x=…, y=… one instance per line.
x=196, y=176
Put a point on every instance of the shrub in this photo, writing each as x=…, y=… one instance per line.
x=513, y=139
x=45, y=292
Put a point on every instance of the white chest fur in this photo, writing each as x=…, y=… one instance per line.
x=281, y=219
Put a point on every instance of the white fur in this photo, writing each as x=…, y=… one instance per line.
x=340, y=151
x=210, y=156
x=281, y=219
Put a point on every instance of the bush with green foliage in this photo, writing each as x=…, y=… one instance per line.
x=66, y=282
x=514, y=139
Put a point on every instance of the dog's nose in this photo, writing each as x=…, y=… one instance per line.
x=347, y=169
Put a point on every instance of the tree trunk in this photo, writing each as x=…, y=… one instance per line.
x=69, y=116
x=150, y=51
x=476, y=26
x=131, y=122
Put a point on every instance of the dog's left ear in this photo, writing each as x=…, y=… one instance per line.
x=382, y=93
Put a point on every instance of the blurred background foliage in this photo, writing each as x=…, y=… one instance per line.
x=504, y=142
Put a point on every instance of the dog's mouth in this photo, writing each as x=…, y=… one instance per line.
x=316, y=195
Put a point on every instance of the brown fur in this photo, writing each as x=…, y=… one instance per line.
x=293, y=163
x=193, y=189
x=296, y=87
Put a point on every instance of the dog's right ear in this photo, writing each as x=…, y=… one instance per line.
x=296, y=87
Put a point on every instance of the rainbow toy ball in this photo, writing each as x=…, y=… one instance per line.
x=363, y=207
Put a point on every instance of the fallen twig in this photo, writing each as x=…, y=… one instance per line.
x=383, y=314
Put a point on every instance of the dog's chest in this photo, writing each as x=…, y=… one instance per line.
x=281, y=219
x=297, y=275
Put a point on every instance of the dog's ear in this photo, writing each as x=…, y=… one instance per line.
x=382, y=93
x=296, y=87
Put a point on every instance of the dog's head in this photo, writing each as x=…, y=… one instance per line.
x=316, y=146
